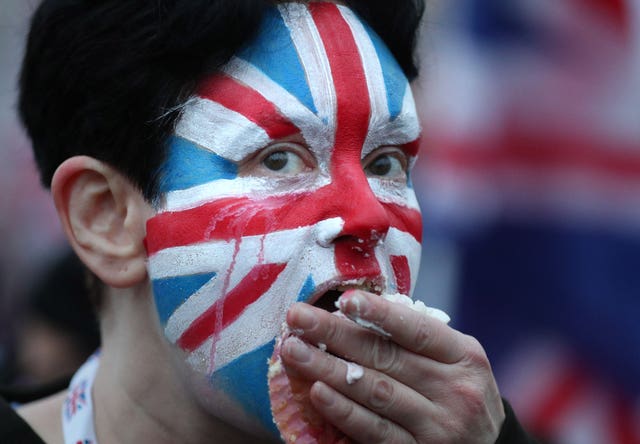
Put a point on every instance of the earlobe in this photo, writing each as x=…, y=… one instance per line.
x=104, y=217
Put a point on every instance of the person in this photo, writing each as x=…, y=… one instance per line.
x=221, y=168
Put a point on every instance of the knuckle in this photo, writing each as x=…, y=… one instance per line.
x=346, y=414
x=475, y=355
x=382, y=395
x=424, y=335
x=332, y=332
x=381, y=431
x=471, y=397
x=334, y=370
x=442, y=427
x=384, y=355
x=380, y=311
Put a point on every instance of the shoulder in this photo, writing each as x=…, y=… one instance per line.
x=14, y=429
x=44, y=417
x=38, y=417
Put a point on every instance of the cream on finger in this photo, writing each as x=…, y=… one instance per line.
x=398, y=298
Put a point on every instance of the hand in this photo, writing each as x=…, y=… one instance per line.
x=424, y=383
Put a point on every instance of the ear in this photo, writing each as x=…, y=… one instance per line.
x=104, y=217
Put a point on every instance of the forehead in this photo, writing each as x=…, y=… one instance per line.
x=305, y=61
x=298, y=45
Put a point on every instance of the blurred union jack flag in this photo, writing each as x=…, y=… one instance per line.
x=533, y=176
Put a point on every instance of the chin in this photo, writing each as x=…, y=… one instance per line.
x=226, y=411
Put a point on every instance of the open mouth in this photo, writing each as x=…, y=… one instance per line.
x=327, y=299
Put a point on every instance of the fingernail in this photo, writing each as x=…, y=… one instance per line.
x=297, y=350
x=354, y=302
x=304, y=317
x=324, y=394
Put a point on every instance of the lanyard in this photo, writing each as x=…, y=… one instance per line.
x=77, y=412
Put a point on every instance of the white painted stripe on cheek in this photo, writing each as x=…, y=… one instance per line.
x=200, y=358
x=219, y=257
x=225, y=132
x=313, y=57
x=198, y=303
x=249, y=186
x=193, y=307
x=216, y=189
x=187, y=260
x=258, y=324
x=398, y=194
x=262, y=321
x=207, y=256
x=400, y=243
x=313, y=129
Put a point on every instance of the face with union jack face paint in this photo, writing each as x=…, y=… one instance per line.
x=287, y=177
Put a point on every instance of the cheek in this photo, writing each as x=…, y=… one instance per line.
x=402, y=256
x=224, y=219
x=224, y=274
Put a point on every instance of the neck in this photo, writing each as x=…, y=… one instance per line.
x=140, y=385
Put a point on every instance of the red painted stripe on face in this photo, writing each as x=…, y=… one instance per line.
x=228, y=309
x=233, y=218
x=402, y=272
x=353, y=105
x=352, y=124
x=355, y=260
x=412, y=148
x=248, y=102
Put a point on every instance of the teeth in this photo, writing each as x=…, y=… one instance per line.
x=366, y=286
x=344, y=288
x=356, y=284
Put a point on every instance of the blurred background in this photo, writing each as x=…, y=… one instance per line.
x=46, y=323
x=530, y=186
x=529, y=181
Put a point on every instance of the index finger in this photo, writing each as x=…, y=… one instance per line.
x=415, y=331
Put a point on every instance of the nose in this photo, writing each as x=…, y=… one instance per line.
x=364, y=219
x=365, y=223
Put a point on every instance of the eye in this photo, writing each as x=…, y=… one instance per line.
x=388, y=164
x=283, y=159
x=284, y=162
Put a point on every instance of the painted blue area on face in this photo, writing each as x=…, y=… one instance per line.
x=308, y=288
x=245, y=379
x=188, y=165
x=395, y=81
x=274, y=53
x=170, y=293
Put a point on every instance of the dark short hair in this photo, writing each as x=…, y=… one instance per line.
x=106, y=78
